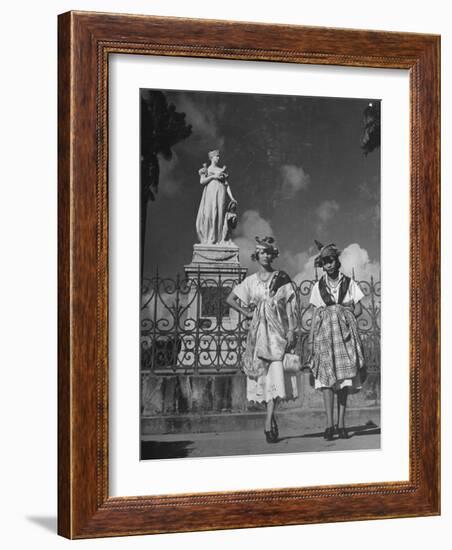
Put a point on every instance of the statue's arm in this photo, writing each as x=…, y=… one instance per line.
x=204, y=180
x=229, y=192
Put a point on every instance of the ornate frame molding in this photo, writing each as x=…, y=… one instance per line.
x=85, y=42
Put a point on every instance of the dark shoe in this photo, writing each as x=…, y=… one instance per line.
x=270, y=436
x=275, y=428
x=328, y=434
x=342, y=432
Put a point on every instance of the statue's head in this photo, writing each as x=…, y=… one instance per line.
x=214, y=153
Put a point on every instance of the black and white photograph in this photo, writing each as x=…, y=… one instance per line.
x=260, y=265
x=201, y=203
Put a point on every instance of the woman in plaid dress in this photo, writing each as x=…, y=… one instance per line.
x=336, y=353
x=268, y=299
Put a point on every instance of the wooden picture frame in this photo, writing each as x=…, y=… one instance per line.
x=85, y=508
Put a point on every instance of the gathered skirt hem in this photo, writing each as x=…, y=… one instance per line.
x=353, y=384
x=272, y=385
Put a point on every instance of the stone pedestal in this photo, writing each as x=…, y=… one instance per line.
x=215, y=256
x=214, y=271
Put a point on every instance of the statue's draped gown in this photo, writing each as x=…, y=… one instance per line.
x=211, y=213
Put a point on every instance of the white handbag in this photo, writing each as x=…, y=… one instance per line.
x=291, y=363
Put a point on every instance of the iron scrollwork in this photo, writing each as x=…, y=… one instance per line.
x=186, y=325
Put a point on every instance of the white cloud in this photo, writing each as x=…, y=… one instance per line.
x=307, y=271
x=292, y=262
x=246, y=247
x=294, y=179
x=327, y=209
x=203, y=121
x=354, y=259
x=299, y=265
x=324, y=213
x=251, y=225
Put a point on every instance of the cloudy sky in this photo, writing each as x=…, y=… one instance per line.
x=296, y=169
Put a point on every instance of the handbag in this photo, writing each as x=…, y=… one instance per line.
x=291, y=363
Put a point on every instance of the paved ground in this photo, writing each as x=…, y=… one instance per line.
x=291, y=440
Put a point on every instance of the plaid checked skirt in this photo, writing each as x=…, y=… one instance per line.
x=335, y=347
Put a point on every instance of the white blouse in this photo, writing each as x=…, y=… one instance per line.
x=353, y=295
x=253, y=290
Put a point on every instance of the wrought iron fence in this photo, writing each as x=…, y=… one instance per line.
x=187, y=326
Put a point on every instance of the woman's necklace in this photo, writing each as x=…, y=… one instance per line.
x=334, y=283
x=266, y=279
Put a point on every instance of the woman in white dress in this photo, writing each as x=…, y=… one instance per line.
x=336, y=354
x=214, y=201
x=268, y=299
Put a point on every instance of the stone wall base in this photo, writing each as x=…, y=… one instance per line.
x=205, y=403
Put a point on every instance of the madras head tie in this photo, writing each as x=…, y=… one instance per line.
x=268, y=247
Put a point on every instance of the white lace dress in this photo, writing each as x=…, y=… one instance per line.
x=272, y=383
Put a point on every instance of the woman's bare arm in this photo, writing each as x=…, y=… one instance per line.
x=233, y=301
x=291, y=322
x=358, y=309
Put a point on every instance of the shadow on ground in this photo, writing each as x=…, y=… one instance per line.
x=165, y=449
x=353, y=431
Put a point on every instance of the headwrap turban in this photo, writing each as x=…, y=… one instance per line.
x=325, y=251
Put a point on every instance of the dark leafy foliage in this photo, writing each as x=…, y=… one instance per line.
x=370, y=138
x=161, y=128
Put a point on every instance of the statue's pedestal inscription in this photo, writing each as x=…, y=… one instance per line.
x=226, y=255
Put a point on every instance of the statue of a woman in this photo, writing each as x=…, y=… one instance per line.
x=215, y=200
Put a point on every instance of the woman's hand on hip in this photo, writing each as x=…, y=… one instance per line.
x=249, y=311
